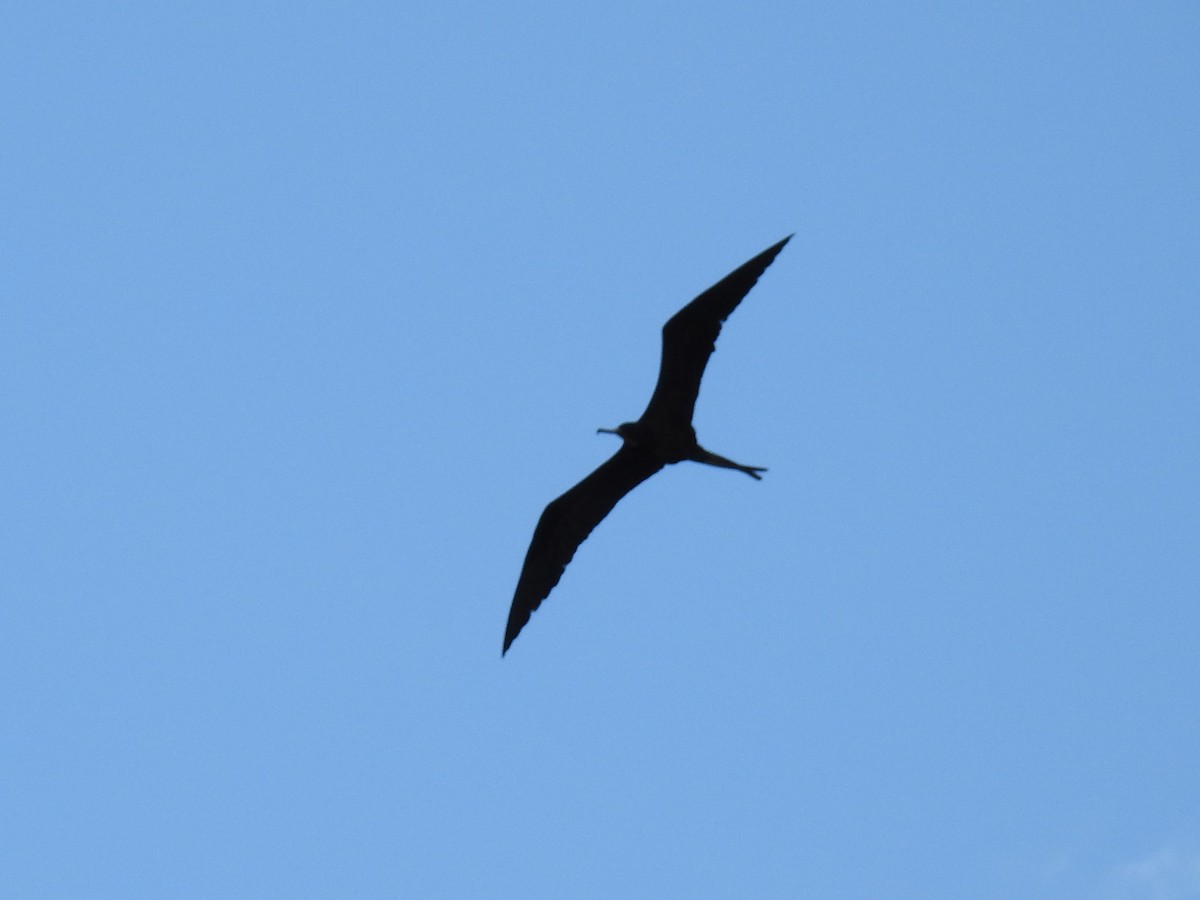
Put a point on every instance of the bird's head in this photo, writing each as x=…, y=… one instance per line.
x=627, y=431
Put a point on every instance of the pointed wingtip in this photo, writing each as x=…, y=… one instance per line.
x=774, y=250
x=767, y=257
x=509, y=637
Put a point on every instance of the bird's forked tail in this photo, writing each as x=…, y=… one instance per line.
x=712, y=459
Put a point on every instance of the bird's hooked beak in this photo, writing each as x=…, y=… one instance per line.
x=625, y=432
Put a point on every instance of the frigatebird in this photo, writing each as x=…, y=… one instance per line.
x=663, y=435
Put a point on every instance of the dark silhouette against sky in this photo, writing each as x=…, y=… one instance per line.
x=663, y=435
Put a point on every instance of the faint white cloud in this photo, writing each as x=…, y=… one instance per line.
x=1172, y=873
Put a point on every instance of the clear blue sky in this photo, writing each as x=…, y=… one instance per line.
x=309, y=309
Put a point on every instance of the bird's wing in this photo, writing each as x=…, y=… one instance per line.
x=564, y=525
x=690, y=336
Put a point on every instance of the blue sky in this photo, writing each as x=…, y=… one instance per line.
x=309, y=309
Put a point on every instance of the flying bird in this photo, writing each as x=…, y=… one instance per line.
x=663, y=435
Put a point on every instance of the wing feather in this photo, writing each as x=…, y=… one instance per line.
x=690, y=336
x=566, y=523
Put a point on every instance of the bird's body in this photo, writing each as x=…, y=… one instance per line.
x=662, y=436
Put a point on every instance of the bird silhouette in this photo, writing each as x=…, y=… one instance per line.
x=662, y=435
